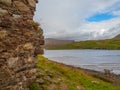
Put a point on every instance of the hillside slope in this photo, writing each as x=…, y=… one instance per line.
x=51, y=43
x=118, y=36
x=93, y=44
x=54, y=76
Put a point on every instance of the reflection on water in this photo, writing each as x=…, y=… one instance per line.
x=90, y=59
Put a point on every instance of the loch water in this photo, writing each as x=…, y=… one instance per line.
x=90, y=59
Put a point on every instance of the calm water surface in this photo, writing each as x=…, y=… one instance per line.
x=90, y=59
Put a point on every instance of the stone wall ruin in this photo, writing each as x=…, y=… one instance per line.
x=20, y=43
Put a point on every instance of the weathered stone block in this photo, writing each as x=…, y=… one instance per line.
x=38, y=50
x=30, y=73
x=13, y=62
x=3, y=34
x=3, y=12
x=32, y=3
x=6, y=22
x=12, y=81
x=30, y=60
x=6, y=2
x=4, y=74
x=21, y=6
x=16, y=16
x=28, y=46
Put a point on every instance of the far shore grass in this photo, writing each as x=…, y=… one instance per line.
x=108, y=44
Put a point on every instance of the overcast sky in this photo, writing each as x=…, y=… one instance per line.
x=79, y=19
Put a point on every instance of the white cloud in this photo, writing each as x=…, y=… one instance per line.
x=66, y=18
x=116, y=13
x=101, y=30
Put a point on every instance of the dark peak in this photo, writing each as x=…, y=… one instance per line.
x=118, y=36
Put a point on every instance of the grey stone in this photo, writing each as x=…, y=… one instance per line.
x=12, y=62
x=47, y=78
x=95, y=82
x=16, y=16
x=52, y=87
x=40, y=81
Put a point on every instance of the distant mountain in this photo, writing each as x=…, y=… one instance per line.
x=51, y=42
x=118, y=36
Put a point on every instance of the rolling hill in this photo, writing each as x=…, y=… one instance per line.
x=118, y=36
x=51, y=43
x=112, y=44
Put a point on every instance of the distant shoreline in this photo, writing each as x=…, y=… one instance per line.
x=79, y=49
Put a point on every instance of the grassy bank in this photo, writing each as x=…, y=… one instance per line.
x=92, y=44
x=54, y=76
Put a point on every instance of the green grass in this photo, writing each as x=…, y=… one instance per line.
x=113, y=44
x=34, y=86
x=66, y=78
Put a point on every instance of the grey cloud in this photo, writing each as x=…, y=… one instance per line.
x=65, y=19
